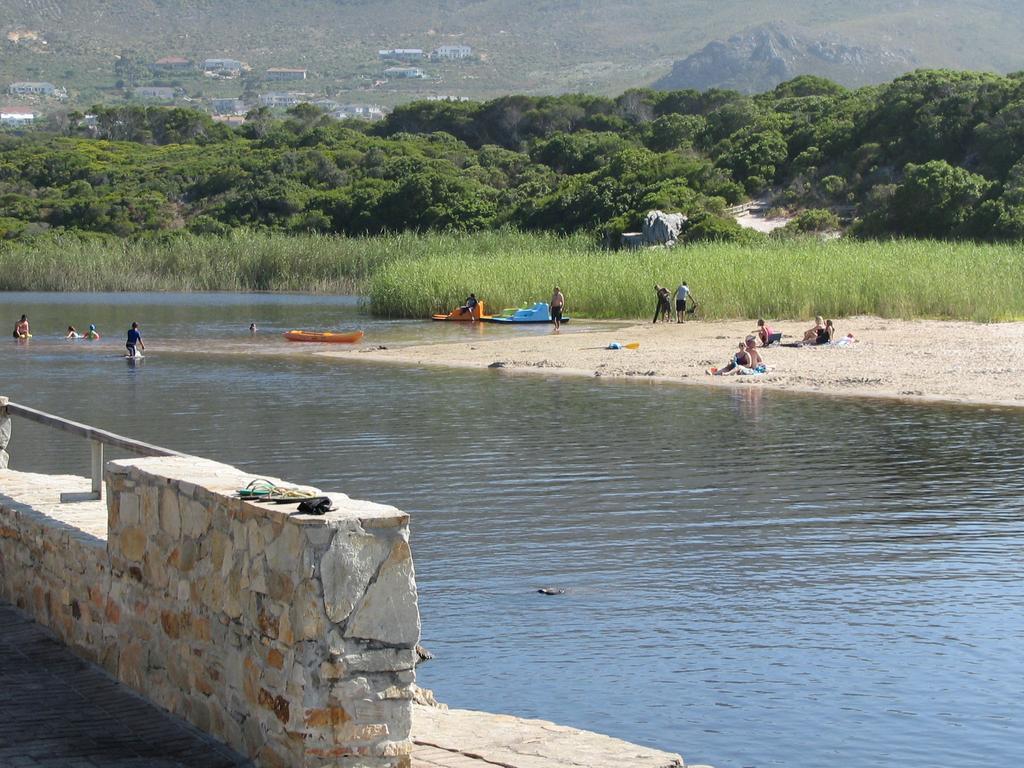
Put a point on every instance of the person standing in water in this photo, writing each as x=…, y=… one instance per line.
x=134, y=339
x=252, y=328
x=21, y=330
x=556, y=306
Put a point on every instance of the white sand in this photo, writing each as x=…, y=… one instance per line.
x=915, y=360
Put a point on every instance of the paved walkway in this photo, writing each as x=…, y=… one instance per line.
x=460, y=738
x=57, y=711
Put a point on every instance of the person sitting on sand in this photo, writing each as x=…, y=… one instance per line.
x=663, y=307
x=766, y=335
x=811, y=334
x=72, y=333
x=741, y=359
x=750, y=347
x=92, y=335
x=21, y=330
x=825, y=334
x=469, y=306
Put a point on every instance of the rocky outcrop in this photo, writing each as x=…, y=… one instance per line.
x=758, y=59
x=662, y=228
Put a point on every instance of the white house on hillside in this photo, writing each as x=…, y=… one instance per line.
x=154, y=92
x=404, y=72
x=222, y=65
x=452, y=52
x=282, y=99
x=15, y=116
x=32, y=89
x=358, y=112
x=401, y=54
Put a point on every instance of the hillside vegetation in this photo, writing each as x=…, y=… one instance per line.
x=525, y=46
x=932, y=154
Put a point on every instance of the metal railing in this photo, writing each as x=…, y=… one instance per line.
x=97, y=439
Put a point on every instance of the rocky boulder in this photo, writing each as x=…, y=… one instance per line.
x=662, y=228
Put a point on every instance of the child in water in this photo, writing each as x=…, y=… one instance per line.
x=72, y=333
x=92, y=335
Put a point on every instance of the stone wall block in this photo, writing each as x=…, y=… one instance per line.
x=346, y=569
x=388, y=612
x=130, y=511
x=149, y=507
x=133, y=543
x=284, y=551
x=170, y=513
x=307, y=617
x=195, y=518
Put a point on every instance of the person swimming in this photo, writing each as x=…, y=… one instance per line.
x=72, y=333
x=92, y=335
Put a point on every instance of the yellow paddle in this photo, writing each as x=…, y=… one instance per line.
x=632, y=345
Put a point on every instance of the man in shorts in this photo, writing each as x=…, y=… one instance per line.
x=682, y=294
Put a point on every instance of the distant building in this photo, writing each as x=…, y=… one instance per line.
x=401, y=54
x=358, y=112
x=232, y=121
x=227, y=106
x=452, y=52
x=404, y=72
x=222, y=65
x=284, y=73
x=15, y=116
x=153, y=92
x=173, y=64
x=32, y=89
x=280, y=99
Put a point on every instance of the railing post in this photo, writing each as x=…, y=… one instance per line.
x=5, y=432
x=97, y=468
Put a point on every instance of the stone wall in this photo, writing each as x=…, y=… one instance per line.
x=291, y=638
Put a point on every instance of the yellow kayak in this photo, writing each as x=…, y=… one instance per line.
x=330, y=337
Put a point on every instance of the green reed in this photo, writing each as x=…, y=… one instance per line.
x=775, y=279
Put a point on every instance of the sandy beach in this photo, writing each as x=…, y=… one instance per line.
x=923, y=360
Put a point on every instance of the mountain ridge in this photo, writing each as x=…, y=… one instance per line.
x=529, y=46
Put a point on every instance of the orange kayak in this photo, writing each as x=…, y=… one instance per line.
x=350, y=337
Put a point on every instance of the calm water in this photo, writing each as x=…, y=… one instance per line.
x=753, y=579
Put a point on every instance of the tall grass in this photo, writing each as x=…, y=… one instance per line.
x=408, y=275
x=785, y=279
x=241, y=261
